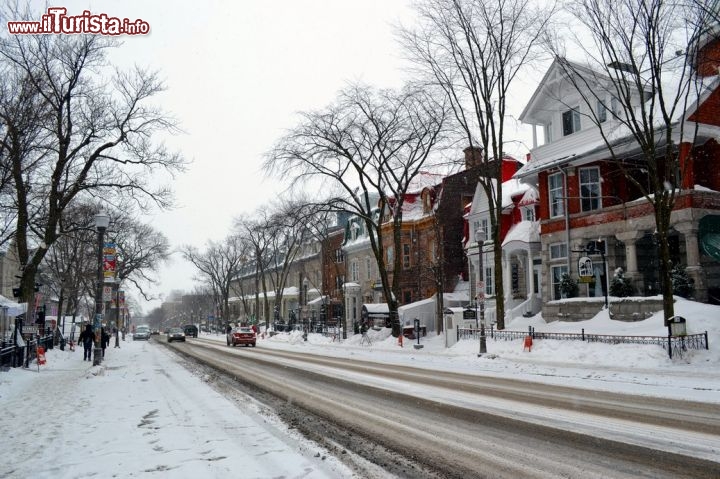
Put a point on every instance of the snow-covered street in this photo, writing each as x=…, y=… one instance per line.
x=142, y=414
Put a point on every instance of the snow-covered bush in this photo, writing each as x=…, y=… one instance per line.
x=683, y=285
x=568, y=286
x=620, y=286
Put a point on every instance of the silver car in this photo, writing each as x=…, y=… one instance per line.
x=175, y=334
x=141, y=333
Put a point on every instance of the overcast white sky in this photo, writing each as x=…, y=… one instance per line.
x=237, y=73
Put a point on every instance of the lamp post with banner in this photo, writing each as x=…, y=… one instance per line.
x=102, y=221
x=480, y=289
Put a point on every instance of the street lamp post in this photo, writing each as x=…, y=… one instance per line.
x=102, y=221
x=480, y=293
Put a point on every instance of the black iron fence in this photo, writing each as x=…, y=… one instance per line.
x=13, y=356
x=674, y=345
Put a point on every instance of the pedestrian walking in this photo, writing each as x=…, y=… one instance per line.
x=104, y=341
x=86, y=339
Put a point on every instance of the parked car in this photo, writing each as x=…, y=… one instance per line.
x=155, y=332
x=141, y=333
x=242, y=335
x=190, y=330
x=175, y=334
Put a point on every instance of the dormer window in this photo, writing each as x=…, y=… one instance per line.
x=528, y=214
x=571, y=122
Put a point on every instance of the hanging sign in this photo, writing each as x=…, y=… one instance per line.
x=586, y=272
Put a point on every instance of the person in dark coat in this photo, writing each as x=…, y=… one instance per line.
x=104, y=340
x=86, y=338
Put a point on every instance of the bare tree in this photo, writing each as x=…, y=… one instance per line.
x=218, y=266
x=87, y=137
x=369, y=144
x=473, y=50
x=256, y=231
x=638, y=71
x=141, y=249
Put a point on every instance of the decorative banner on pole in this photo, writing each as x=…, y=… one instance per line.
x=109, y=261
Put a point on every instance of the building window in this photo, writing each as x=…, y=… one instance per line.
x=528, y=214
x=339, y=256
x=407, y=297
x=557, y=273
x=433, y=251
x=590, y=189
x=488, y=281
x=406, y=256
x=390, y=255
x=571, y=122
x=555, y=191
x=368, y=268
x=558, y=251
x=601, y=112
x=354, y=274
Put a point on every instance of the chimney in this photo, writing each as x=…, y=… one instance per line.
x=473, y=156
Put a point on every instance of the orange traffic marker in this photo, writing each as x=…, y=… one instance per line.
x=41, y=355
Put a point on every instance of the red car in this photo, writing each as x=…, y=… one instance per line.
x=244, y=336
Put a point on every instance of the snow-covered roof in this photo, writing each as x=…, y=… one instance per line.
x=376, y=308
x=673, y=82
x=512, y=188
x=424, y=179
x=524, y=232
x=13, y=308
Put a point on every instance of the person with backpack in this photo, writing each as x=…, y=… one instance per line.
x=86, y=338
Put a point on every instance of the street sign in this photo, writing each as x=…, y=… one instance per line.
x=107, y=293
x=29, y=329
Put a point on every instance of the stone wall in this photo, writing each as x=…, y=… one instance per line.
x=621, y=309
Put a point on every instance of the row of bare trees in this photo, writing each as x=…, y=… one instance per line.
x=467, y=57
x=78, y=136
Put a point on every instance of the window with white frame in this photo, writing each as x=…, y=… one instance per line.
x=488, y=280
x=557, y=273
x=558, y=251
x=528, y=214
x=368, y=268
x=555, y=193
x=354, y=273
x=406, y=255
x=571, y=122
x=590, y=189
